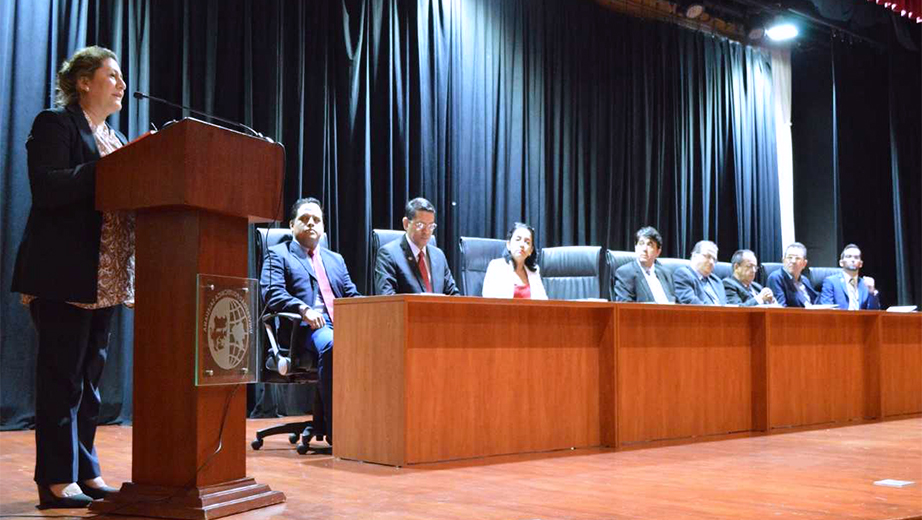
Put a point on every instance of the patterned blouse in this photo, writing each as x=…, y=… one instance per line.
x=115, y=277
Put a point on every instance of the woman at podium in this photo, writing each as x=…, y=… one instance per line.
x=73, y=267
x=515, y=275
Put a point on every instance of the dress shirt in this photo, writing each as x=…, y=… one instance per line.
x=416, y=252
x=653, y=282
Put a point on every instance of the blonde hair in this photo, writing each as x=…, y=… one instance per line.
x=82, y=64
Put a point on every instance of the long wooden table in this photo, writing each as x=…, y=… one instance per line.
x=423, y=378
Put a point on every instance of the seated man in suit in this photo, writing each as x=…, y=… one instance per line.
x=644, y=280
x=696, y=284
x=791, y=289
x=410, y=265
x=304, y=278
x=848, y=290
x=740, y=287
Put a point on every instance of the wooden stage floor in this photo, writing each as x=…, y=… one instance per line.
x=821, y=473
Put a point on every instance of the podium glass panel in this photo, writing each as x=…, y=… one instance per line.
x=225, y=340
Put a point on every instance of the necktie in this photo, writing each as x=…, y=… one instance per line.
x=324, y=282
x=710, y=292
x=424, y=271
x=853, y=294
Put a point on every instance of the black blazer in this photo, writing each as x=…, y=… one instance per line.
x=739, y=295
x=397, y=272
x=58, y=257
x=630, y=285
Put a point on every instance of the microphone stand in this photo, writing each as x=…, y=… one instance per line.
x=254, y=133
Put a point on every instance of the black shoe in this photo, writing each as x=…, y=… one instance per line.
x=48, y=500
x=97, y=493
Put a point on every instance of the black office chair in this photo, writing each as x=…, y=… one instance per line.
x=280, y=364
x=574, y=272
x=616, y=259
x=476, y=254
x=671, y=264
x=723, y=270
x=380, y=237
x=817, y=275
x=767, y=269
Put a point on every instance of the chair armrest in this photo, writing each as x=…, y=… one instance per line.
x=269, y=324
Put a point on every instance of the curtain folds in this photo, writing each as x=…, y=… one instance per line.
x=580, y=121
x=35, y=38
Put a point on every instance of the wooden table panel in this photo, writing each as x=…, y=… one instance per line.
x=472, y=377
x=818, y=368
x=682, y=372
x=369, y=400
x=477, y=402
x=425, y=378
x=901, y=364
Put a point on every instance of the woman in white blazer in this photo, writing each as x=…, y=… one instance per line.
x=515, y=275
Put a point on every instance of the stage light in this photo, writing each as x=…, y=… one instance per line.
x=691, y=10
x=781, y=30
x=694, y=11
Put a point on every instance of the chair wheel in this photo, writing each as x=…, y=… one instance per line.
x=302, y=448
x=258, y=443
x=294, y=438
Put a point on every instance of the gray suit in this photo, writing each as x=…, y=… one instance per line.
x=689, y=287
x=630, y=284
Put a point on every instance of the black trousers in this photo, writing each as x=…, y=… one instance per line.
x=72, y=349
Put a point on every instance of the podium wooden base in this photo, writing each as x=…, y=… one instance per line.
x=193, y=503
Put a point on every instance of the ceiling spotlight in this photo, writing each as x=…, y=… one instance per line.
x=781, y=30
x=691, y=10
x=694, y=11
x=756, y=32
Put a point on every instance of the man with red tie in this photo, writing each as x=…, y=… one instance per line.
x=305, y=278
x=410, y=264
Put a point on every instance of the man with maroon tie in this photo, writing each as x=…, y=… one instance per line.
x=410, y=264
x=305, y=278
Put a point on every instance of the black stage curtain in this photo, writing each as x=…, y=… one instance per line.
x=858, y=168
x=584, y=123
x=35, y=37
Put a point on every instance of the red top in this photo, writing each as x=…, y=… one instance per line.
x=522, y=291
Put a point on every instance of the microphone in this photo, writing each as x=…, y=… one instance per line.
x=254, y=133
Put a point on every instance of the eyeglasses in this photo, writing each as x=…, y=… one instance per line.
x=419, y=226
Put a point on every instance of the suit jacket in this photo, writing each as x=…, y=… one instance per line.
x=689, y=288
x=782, y=286
x=737, y=294
x=834, y=292
x=500, y=281
x=630, y=284
x=397, y=272
x=63, y=222
x=288, y=279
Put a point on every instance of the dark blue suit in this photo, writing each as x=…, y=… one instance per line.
x=288, y=281
x=397, y=271
x=834, y=292
x=786, y=293
x=58, y=262
x=689, y=287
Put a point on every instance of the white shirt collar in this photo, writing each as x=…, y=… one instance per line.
x=413, y=247
x=644, y=269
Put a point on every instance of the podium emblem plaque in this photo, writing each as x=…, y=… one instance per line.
x=226, y=350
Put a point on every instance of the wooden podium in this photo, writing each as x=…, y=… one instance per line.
x=194, y=188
